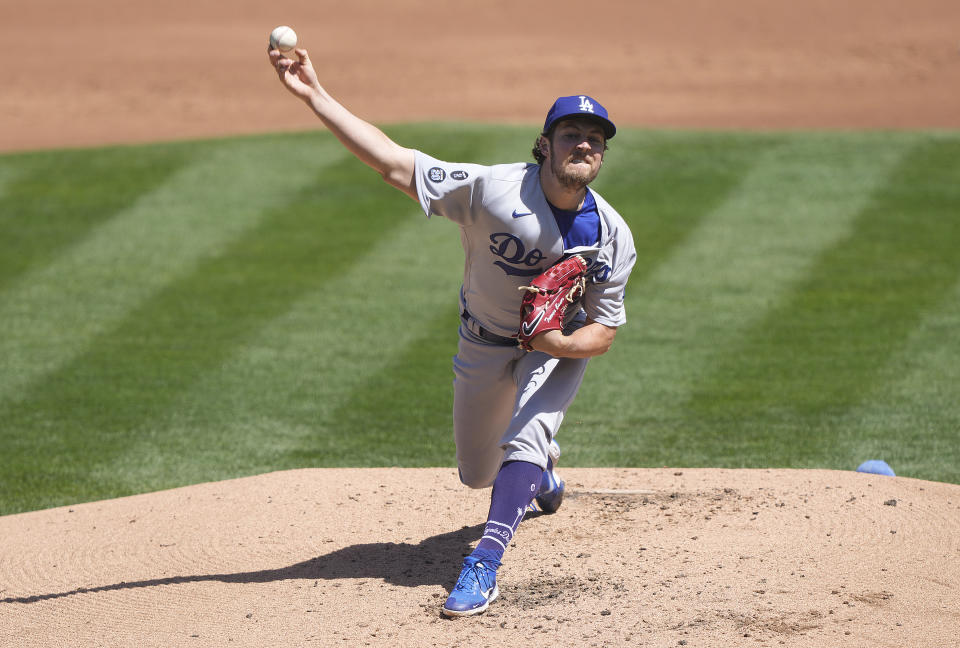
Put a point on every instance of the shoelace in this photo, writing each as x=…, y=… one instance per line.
x=478, y=572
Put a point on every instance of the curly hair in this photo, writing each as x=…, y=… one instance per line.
x=537, y=153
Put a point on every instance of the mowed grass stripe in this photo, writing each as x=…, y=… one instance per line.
x=413, y=394
x=11, y=169
x=912, y=418
x=460, y=142
x=310, y=387
x=279, y=401
x=53, y=201
x=50, y=314
x=743, y=260
x=129, y=378
x=666, y=184
x=268, y=350
x=866, y=292
x=829, y=344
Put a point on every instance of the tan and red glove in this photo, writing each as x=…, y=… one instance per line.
x=551, y=298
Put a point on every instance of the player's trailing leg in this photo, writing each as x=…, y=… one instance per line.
x=550, y=495
x=515, y=487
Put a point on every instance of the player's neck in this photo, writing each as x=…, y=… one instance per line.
x=561, y=196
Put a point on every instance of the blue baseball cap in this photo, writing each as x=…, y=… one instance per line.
x=579, y=106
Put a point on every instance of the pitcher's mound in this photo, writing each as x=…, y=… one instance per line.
x=355, y=557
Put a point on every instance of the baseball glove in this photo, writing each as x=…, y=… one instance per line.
x=550, y=298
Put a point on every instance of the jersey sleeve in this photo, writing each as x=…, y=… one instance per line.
x=448, y=189
x=606, y=285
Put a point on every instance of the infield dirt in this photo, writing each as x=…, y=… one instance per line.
x=666, y=557
x=112, y=71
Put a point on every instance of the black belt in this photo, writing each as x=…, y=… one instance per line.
x=484, y=334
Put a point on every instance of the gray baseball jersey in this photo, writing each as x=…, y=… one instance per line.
x=508, y=403
x=510, y=235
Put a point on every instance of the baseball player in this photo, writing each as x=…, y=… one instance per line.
x=516, y=221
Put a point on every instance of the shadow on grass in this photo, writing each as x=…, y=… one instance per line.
x=434, y=561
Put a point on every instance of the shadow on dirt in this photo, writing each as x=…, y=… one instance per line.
x=434, y=561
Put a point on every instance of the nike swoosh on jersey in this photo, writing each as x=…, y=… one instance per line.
x=517, y=213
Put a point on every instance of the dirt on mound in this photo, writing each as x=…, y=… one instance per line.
x=356, y=557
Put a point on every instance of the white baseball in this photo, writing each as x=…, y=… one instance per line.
x=283, y=38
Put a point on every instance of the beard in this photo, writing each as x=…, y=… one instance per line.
x=575, y=178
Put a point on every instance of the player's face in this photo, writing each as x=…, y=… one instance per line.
x=575, y=152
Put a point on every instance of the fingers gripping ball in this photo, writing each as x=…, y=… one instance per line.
x=551, y=297
x=283, y=38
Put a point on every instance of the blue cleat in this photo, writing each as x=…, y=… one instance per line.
x=476, y=588
x=551, y=488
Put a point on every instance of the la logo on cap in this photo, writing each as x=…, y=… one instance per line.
x=579, y=105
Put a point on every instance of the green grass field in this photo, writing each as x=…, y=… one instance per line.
x=187, y=312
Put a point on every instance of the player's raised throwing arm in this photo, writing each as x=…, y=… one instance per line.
x=371, y=146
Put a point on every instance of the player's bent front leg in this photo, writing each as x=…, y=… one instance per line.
x=548, y=387
x=483, y=399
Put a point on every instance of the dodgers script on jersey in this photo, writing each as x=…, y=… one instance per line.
x=510, y=236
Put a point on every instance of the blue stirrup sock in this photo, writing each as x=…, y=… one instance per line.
x=514, y=488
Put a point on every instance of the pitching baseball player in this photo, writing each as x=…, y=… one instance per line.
x=516, y=222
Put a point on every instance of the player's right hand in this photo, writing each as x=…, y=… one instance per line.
x=298, y=76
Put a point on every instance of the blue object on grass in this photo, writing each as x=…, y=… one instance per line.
x=877, y=467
